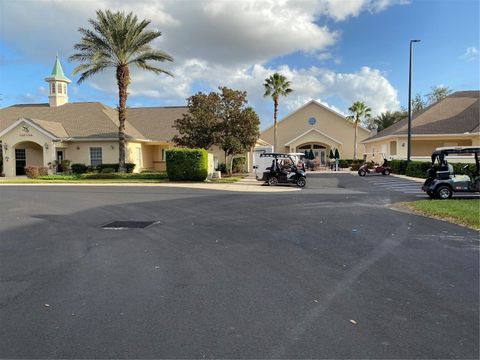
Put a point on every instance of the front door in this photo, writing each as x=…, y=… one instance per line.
x=59, y=160
x=20, y=161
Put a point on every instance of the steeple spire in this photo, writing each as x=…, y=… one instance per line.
x=57, y=82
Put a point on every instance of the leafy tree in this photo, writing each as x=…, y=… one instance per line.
x=275, y=86
x=306, y=154
x=360, y=112
x=199, y=127
x=331, y=156
x=437, y=93
x=418, y=104
x=311, y=156
x=337, y=154
x=388, y=118
x=118, y=41
x=239, y=124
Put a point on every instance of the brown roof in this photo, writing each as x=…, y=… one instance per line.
x=456, y=114
x=156, y=123
x=96, y=120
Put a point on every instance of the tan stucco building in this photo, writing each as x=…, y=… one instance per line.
x=86, y=132
x=316, y=127
x=453, y=121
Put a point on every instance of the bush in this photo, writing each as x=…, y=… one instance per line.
x=222, y=168
x=102, y=176
x=107, y=170
x=239, y=164
x=418, y=169
x=398, y=166
x=34, y=172
x=129, y=167
x=187, y=164
x=79, y=168
x=355, y=167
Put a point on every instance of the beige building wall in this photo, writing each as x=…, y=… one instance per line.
x=333, y=131
x=79, y=152
x=33, y=141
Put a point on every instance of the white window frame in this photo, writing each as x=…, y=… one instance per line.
x=96, y=148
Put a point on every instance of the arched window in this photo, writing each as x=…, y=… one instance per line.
x=59, y=88
x=65, y=89
x=53, y=88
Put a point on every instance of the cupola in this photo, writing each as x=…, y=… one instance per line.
x=57, y=84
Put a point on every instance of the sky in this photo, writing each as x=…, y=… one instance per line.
x=334, y=51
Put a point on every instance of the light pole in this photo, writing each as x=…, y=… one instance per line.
x=409, y=141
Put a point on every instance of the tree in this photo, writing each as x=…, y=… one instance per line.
x=239, y=124
x=388, y=118
x=337, y=154
x=118, y=41
x=360, y=112
x=331, y=156
x=199, y=126
x=418, y=104
x=275, y=86
x=437, y=93
x=311, y=155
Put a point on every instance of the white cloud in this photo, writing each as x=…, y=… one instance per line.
x=471, y=53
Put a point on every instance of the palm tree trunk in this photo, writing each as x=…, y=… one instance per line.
x=355, y=142
x=275, y=111
x=123, y=77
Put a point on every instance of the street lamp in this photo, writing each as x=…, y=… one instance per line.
x=409, y=141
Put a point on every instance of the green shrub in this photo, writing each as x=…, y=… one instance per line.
x=34, y=172
x=222, y=168
x=458, y=168
x=239, y=164
x=398, y=166
x=128, y=166
x=79, y=168
x=148, y=176
x=102, y=176
x=107, y=170
x=187, y=164
x=355, y=167
x=418, y=169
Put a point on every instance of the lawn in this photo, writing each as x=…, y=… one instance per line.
x=464, y=211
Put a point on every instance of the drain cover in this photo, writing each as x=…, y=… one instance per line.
x=120, y=225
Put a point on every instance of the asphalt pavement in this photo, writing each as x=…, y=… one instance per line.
x=327, y=272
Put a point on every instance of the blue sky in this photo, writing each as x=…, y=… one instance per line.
x=333, y=51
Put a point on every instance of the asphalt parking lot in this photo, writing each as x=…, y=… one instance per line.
x=327, y=272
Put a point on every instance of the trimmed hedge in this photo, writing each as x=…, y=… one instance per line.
x=128, y=166
x=419, y=168
x=79, y=168
x=187, y=164
x=398, y=166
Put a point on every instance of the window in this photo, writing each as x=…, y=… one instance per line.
x=315, y=146
x=53, y=88
x=163, y=154
x=59, y=88
x=65, y=89
x=95, y=156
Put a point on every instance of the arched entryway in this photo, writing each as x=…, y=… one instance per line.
x=27, y=153
x=320, y=151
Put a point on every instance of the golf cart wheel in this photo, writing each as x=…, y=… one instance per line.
x=272, y=181
x=386, y=172
x=301, y=182
x=443, y=192
x=362, y=172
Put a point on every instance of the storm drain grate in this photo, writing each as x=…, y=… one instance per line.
x=121, y=225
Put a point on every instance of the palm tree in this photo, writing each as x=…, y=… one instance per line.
x=118, y=41
x=359, y=112
x=388, y=118
x=275, y=86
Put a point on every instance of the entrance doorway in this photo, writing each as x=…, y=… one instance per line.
x=60, y=158
x=319, y=152
x=20, y=161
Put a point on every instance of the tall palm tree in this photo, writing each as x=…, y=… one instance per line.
x=388, y=118
x=275, y=86
x=118, y=41
x=359, y=112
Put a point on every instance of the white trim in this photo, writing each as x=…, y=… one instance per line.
x=32, y=124
x=422, y=135
x=313, y=129
x=319, y=104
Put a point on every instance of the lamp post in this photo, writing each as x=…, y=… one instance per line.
x=409, y=141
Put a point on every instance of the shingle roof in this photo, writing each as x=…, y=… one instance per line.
x=156, y=123
x=78, y=120
x=456, y=114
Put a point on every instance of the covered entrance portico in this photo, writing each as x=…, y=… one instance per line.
x=27, y=153
x=316, y=141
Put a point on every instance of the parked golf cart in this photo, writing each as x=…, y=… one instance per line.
x=284, y=169
x=383, y=169
x=442, y=182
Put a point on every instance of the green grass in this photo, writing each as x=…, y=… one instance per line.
x=464, y=211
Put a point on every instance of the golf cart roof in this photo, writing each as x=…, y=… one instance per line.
x=456, y=150
x=275, y=155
